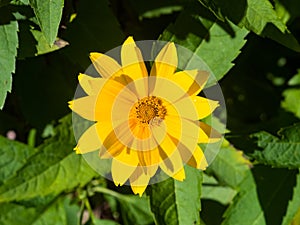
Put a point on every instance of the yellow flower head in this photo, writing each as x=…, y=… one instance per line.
x=145, y=122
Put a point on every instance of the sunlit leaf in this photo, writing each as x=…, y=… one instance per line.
x=175, y=202
x=294, y=204
x=291, y=101
x=217, y=44
x=292, y=96
x=295, y=80
x=33, y=42
x=281, y=151
x=13, y=157
x=47, y=212
x=258, y=16
x=105, y=222
x=232, y=169
x=8, y=52
x=49, y=14
x=134, y=208
x=46, y=171
x=213, y=191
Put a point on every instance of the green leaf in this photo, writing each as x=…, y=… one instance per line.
x=292, y=96
x=105, y=222
x=212, y=191
x=176, y=202
x=72, y=211
x=291, y=8
x=282, y=151
x=291, y=101
x=33, y=42
x=53, y=169
x=13, y=157
x=229, y=166
x=40, y=46
x=50, y=213
x=257, y=16
x=8, y=52
x=134, y=208
x=19, y=2
x=295, y=80
x=253, y=14
x=49, y=14
x=216, y=44
x=296, y=218
x=233, y=170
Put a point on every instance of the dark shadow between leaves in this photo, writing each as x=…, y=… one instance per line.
x=274, y=189
x=27, y=43
x=6, y=15
x=287, y=39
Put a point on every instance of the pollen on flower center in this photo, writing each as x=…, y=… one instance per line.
x=149, y=109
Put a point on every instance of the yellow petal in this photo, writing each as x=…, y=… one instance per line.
x=104, y=128
x=198, y=159
x=119, y=138
x=187, y=139
x=149, y=158
x=180, y=175
x=151, y=170
x=112, y=147
x=204, y=106
x=140, y=132
x=113, y=93
x=173, y=166
x=139, y=181
x=90, y=85
x=191, y=81
x=172, y=161
x=185, y=108
x=132, y=60
x=105, y=65
x=85, y=107
x=208, y=134
x=89, y=141
x=165, y=62
x=174, y=127
x=120, y=168
x=133, y=66
x=166, y=89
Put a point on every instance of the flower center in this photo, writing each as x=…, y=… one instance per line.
x=149, y=109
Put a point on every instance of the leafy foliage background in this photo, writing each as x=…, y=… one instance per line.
x=252, y=46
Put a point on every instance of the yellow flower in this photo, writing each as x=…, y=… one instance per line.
x=145, y=122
